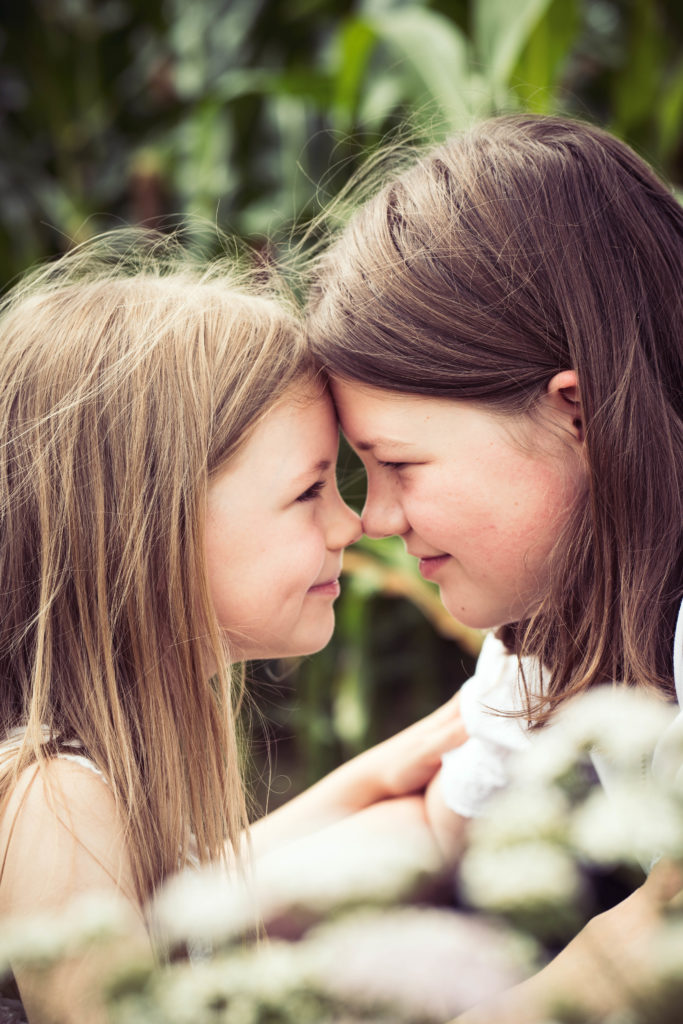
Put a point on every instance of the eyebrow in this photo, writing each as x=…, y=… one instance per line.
x=319, y=467
x=379, y=442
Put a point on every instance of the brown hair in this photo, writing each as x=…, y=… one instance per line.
x=529, y=246
x=128, y=375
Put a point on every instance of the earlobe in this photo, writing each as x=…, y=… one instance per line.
x=565, y=396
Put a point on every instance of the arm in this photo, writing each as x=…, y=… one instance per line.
x=61, y=841
x=599, y=969
x=399, y=766
x=448, y=828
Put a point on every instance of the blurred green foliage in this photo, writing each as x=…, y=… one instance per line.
x=253, y=114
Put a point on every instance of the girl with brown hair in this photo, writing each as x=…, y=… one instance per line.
x=168, y=509
x=503, y=328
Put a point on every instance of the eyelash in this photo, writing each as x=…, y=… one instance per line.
x=312, y=492
x=391, y=465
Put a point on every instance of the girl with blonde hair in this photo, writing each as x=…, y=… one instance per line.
x=168, y=509
x=503, y=328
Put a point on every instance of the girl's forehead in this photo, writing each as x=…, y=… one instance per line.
x=378, y=419
x=304, y=417
x=359, y=404
x=348, y=394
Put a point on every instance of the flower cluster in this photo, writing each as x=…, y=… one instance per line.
x=312, y=935
x=318, y=934
x=40, y=941
x=594, y=804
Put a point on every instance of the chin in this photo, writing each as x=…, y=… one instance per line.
x=472, y=617
x=315, y=645
x=311, y=644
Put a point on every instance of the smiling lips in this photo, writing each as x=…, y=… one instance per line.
x=329, y=588
x=430, y=566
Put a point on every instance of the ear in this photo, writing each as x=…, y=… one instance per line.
x=565, y=401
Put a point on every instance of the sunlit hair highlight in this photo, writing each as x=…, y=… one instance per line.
x=128, y=375
x=524, y=247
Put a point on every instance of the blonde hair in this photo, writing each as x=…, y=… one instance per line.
x=128, y=375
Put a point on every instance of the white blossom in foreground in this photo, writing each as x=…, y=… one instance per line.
x=550, y=758
x=520, y=814
x=531, y=874
x=207, y=906
x=622, y=724
x=633, y=823
x=229, y=989
x=432, y=963
x=313, y=877
x=321, y=875
x=40, y=940
x=402, y=964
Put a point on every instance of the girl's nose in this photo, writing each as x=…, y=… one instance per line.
x=383, y=517
x=345, y=527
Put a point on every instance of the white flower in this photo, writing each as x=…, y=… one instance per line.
x=315, y=876
x=431, y=963
x=96, y=917
x=263, y=976
x=623, y=724
x=207, y=905
x=551, y=756
x=321, y=875
x=421, y=963
x=43, y=939
x=528, y=875
x=632, y=823
x=522, y=813
x=35, y=940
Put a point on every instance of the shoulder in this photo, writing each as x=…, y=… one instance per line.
x=61, y=834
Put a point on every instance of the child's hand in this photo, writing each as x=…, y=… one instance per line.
x=406, y=762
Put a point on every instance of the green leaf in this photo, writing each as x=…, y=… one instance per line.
x=438, y=51
x=636, y=88
x=381, y=98
x=355, y=44
x=501, y=30
x=544, y=56
x=669, y=112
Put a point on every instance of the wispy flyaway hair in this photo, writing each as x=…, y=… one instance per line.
x=128, y=375
x=528, y=246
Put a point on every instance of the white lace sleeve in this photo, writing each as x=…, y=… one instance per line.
x=475, y=770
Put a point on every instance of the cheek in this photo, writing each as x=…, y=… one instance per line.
x=540, y=511
x=309, y=555
x=434, y=510
x=296, y=557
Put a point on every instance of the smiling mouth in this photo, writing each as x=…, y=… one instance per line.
x=329, y=588
x=430, y=566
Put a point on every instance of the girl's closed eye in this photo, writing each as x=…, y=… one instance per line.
x=392, y=465
x=312, y=492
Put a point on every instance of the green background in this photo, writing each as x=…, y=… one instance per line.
x=252, y=115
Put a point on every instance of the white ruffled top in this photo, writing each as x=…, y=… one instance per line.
x=479, y=767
